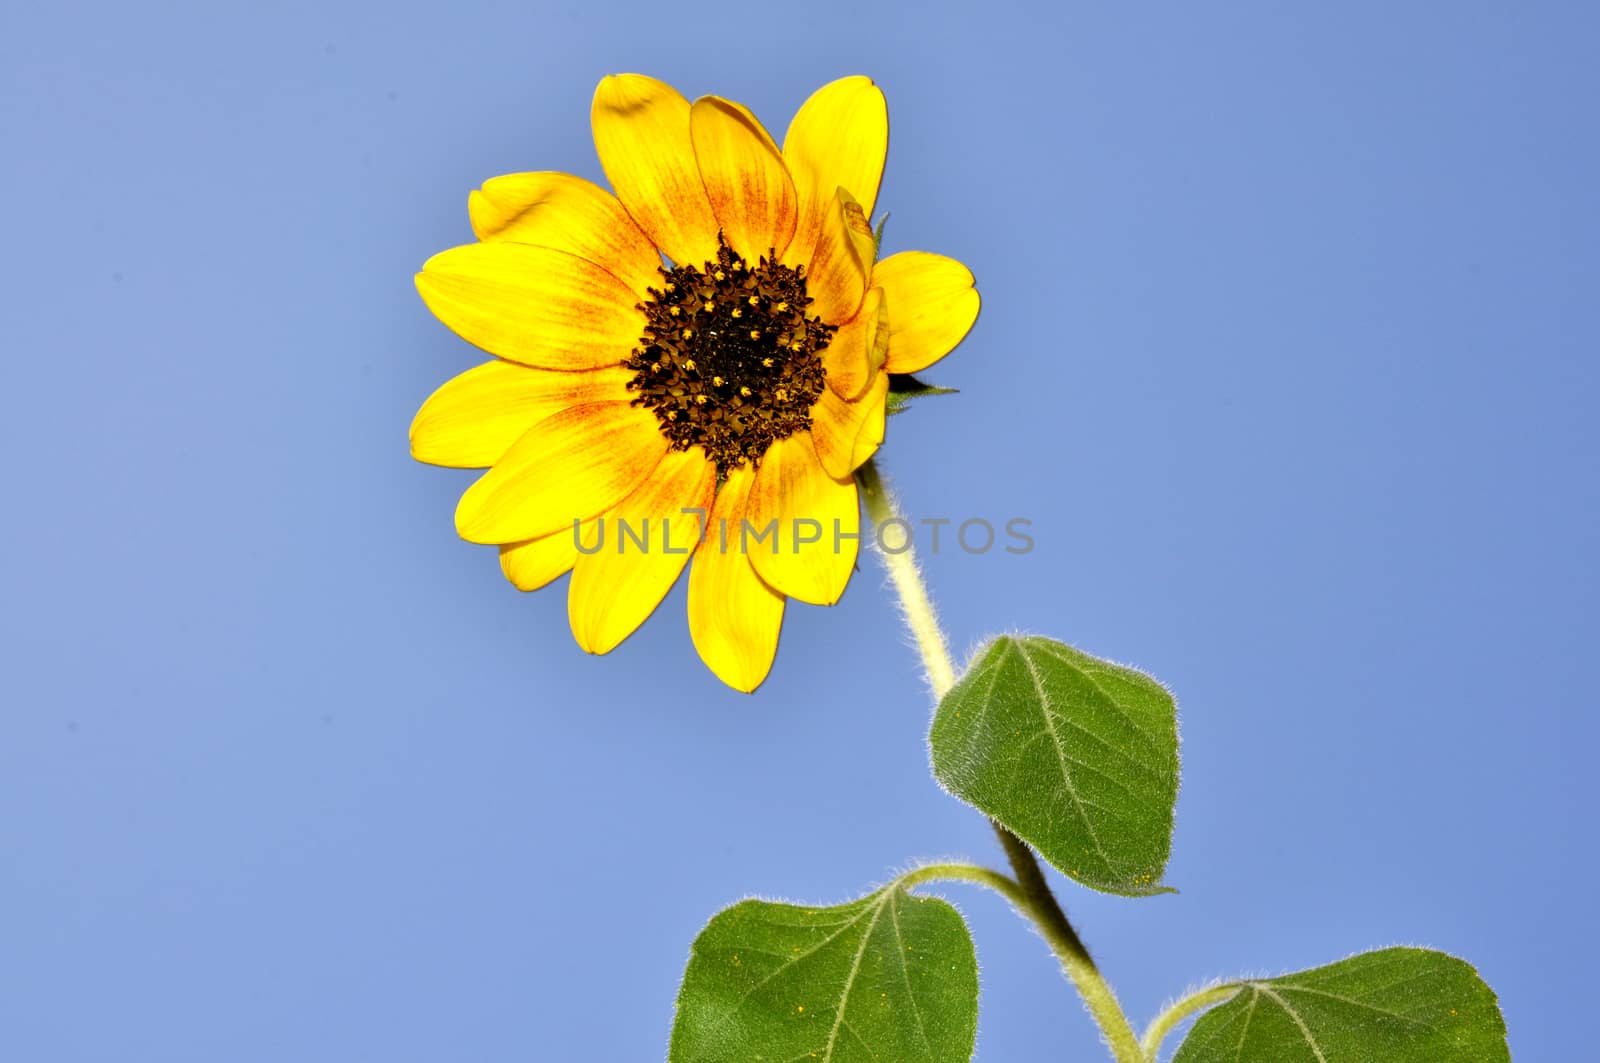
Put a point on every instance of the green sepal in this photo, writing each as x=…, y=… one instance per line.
x=905, y=389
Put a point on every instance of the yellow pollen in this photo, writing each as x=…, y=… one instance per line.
x=748, y=377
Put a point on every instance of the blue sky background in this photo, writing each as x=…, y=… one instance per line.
x=1288, y=351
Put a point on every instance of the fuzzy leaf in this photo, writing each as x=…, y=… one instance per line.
x=891, y=976
x=1398, y=1005
x=1076, y=756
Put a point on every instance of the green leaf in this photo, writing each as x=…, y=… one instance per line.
x=1396, y=1005
x=904, y=389
x=1076, y=756
x=891, y=976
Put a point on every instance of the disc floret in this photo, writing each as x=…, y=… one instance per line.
x=729, y=359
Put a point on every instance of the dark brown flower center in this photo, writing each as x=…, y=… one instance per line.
x=729, y=361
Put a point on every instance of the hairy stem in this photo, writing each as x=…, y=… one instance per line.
x=1175, y=1013
x=901, y=562
x=1037, y=901
x=973, y=873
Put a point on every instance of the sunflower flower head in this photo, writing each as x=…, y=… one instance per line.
x=689, y=368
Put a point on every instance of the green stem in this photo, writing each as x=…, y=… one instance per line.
x=901, y=562
x=982, y=876
x=1037, y=901
x=1163, y=1024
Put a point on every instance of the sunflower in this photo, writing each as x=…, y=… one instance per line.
x=687, y=369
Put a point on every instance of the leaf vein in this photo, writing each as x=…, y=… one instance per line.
x=1287, y=986
x=850, y=979
x=1089, y=677
x=1305, y=1031
x=1066, y=773
x=905, y=974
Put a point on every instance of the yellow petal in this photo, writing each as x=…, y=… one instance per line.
x=836, y=277
x=815, y=520
x=645, y=540
x=750, y=191
x=872, y=429
x=641, y=132
x=838, y=138
x=474, y=418
x=858, y=348
x=533, y=305
x=569, y=214
x=569, y=467
x=734, y=618
x=836, y=425
x=533, y=563
x=932, y=305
